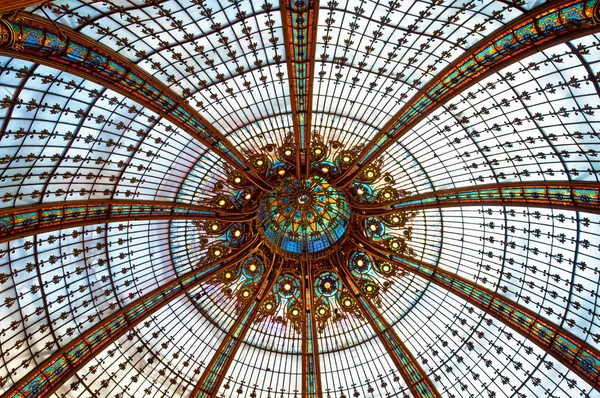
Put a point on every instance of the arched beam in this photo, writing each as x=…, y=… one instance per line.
x=574, y=353
x=568, y=195
x=545, y=26
x=64, y=363
x=39, y=40
x=209, y=383
x=14, y=5
x=300, y=23
x=20, y=221
x=414, y=376
x=311, y=367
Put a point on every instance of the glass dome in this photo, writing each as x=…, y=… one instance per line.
x=289, y=199
x=304, y=218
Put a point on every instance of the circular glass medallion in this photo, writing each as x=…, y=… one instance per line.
x=303, y=218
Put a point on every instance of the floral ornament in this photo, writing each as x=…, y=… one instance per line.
x=303, y=224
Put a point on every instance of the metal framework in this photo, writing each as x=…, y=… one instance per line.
x=574, y=353
x=45, y=378
x=583, y=196
x=65, y=49
x=213, y=375
x=537, y=30
x=414, y=376
x=311, y=369
x=32, y=38
x=300, y=22
x=46, y=217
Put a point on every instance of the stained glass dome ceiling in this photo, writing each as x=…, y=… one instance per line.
x=304, y=217
x=160, y=160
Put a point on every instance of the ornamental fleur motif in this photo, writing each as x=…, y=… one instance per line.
x=305, y=227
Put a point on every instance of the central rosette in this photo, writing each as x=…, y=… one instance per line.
x=303, y=218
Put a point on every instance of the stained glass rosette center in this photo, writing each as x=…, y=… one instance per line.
x=304, y=218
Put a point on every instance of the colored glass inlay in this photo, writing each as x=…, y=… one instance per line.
x=304, y=217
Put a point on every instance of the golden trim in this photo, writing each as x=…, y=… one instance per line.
x=7, y=35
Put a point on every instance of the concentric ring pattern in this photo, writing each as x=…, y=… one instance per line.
x=342, y=199
x=304, y=217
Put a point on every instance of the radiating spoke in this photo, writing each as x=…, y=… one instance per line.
x=577, y=355
x=300, y=22
x=584, y=196
x=414, y=376
x=67, y=49
x=22, y=221
x=63, y=364
x=514, y=41
x=209, y=383
x=311, y=372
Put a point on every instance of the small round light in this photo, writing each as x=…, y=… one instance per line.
x=387, y=195
x=295, y=312
x=327, y=285
x=288, y=152
x=322, y=311
x=246, y=293
x=369, y=288
x=252, y=267
x=370, y=174
x=325, y=169
x=260, y=162
x=347, y=303
x=237, y=233
x=373, y=227
x=346, y=159
x=360, y=191
x=396, y=219
x=360, y=263
x=287, y=286
x=281, y=172
x=214, y=227
x=386, y=268
x=248, y=196
x=227, y=275
x=318, y=151
x=395, y=245
x=217, y=253
x=237, y=180
x=269, y=306
x=222, y=202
